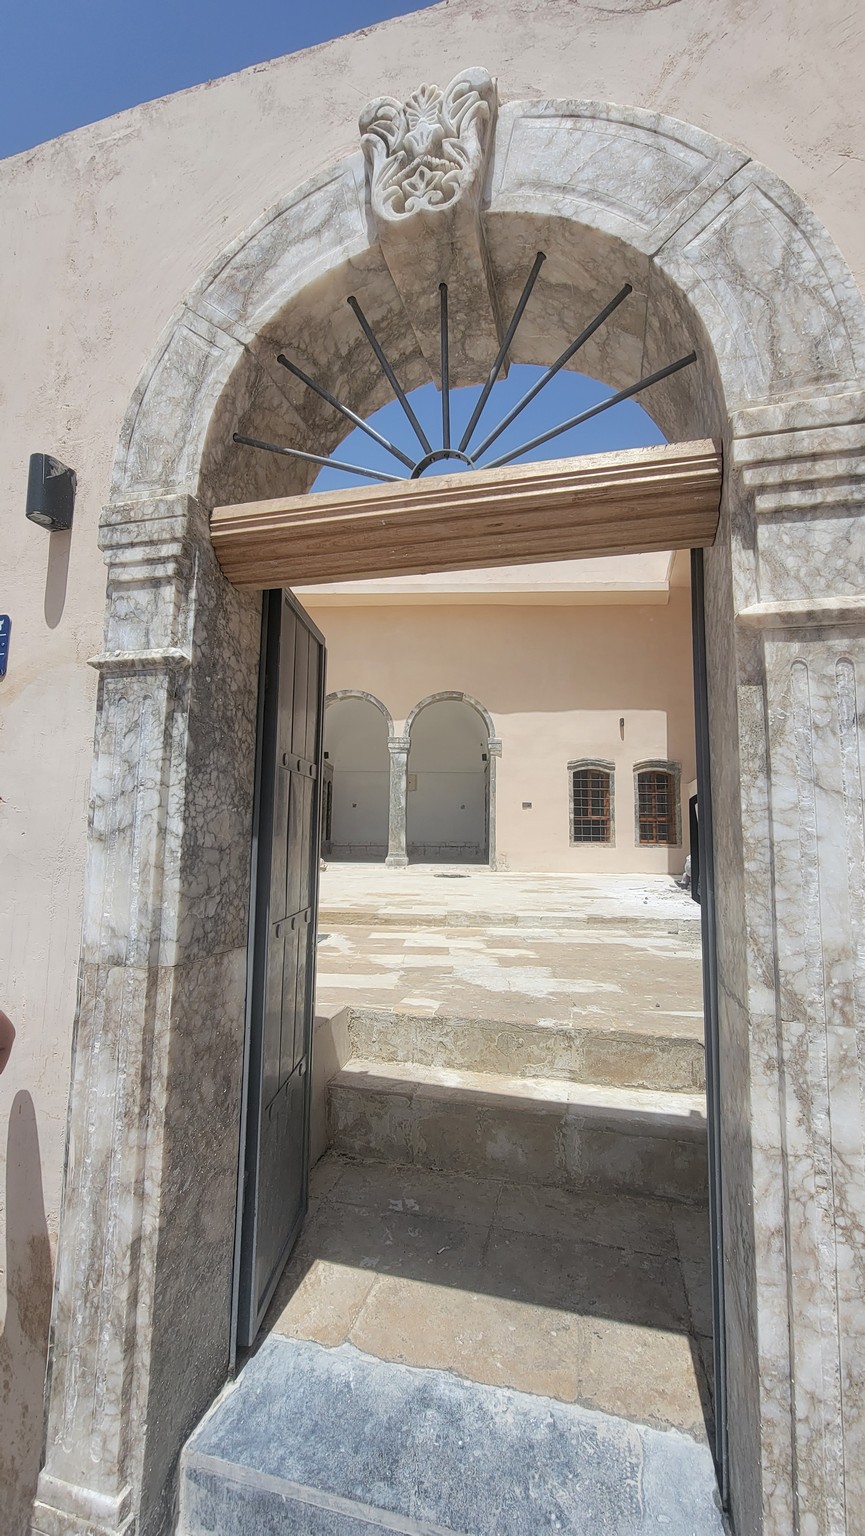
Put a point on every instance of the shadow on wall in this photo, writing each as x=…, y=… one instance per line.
x=56, y=577
x=24, y=1340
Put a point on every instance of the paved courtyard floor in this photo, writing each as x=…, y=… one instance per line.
x=607, y=952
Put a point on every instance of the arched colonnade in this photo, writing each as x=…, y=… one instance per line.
x=440, y=771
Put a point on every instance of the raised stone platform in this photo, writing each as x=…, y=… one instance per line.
x=669, y=1060
x=329, y=1442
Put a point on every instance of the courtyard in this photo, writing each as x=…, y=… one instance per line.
x=513, y=1186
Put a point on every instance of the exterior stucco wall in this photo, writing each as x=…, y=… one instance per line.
x=104, y=231
x=557, y=681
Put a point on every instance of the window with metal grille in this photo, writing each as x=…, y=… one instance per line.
x=590, y=805
x=657, y=813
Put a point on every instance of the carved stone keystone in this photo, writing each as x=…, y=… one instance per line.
x=426, y=162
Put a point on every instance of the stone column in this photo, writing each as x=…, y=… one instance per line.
x=141, y=1327
x=494, y=751
x=790, y=853
x=398, y=746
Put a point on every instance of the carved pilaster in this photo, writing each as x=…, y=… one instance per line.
x=162, y=980
x=799, y=468
x=426, y=165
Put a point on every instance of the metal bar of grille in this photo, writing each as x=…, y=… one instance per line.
x=317, y=458
x=510, y=333
x=595, y=410
x=554, y=368
x=345, y=410
x=655, y=797
x=591, y=806
x=446, y=392
x=388, y=372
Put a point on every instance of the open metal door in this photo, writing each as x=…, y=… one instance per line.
x=703, y=889
x=281, y=987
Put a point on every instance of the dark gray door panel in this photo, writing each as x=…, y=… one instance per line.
x=282, y=958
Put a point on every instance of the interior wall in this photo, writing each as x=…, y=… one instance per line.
x=355, y=741
x=612, y=683
x=448, y=770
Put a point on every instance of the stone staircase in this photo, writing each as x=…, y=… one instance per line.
x=592, y=1111
x=496, y=1320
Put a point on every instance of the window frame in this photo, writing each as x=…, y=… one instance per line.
x=593, y=765
x=674, y=773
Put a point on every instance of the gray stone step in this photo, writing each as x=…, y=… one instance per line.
x=578, y=1136
x=329, y=1442
x=616, y=1058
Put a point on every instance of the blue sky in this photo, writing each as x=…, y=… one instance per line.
x=624, y=426
x=68, y=62
x=64, y=63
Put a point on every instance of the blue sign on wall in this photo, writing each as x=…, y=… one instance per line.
x=5, y=632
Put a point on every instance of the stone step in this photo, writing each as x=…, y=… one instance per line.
x=617, y=1058
x=580, y=1136
x=329, y=917
x=330, y=1442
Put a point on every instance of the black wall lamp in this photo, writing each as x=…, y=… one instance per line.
x=50, y=493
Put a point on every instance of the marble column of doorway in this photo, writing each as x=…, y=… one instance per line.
x=786, y=692
x=398, y=746
x=141, y=1331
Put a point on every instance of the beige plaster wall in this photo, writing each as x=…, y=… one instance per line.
x=104, y=231
x=557, y=681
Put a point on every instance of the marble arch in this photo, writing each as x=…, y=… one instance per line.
x=369, y=698
x=329, y=789
x=457, y=697
x=399, y=767
x=725, y=257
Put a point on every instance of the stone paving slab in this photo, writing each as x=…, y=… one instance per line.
x=449, y=891
x=613, y=979
x=547, y=1291
x=333, y=1442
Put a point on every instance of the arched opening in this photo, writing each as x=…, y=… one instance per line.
x=703, y=235
x=356, y=780
x=448, y=807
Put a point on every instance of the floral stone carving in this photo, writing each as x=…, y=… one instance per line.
x=424, y=153
x=426, y=159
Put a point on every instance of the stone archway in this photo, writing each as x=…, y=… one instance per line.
x=719, y=253
x=357, y=777
x=492, y=751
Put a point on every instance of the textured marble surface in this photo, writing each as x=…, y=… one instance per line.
x=359, y=1456
x=154, y=1116
x=426, y=167
x=611, y=195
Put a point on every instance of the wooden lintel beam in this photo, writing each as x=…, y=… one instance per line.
x=607, y=504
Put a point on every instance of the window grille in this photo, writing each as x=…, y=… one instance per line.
x=656, y=807
x=590, y=812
